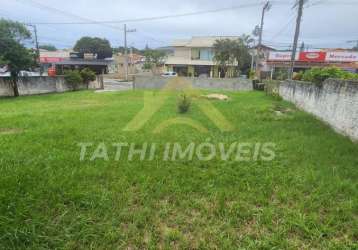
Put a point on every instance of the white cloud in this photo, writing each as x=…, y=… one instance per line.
x=328, y=25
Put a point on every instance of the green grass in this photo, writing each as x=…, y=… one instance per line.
x=305, y=198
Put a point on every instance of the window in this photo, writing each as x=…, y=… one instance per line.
x=206, y=54
x=195, y=54
x=202, y=54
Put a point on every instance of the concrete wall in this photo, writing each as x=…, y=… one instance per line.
x=335, y=102
x=157, y=82
x=41, y=85
x=5, y=88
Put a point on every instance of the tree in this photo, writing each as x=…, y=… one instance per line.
x=229, y=52
x=121, y=49
x=87, y=76
x=247, y=40
x=154, y=59
x=48, y=47
x=74, y=78
x=13, y=53
x=224, y=56
x=242, y=55
x=14, y=30
x=94, y=45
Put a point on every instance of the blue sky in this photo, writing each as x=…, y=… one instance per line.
x=326, y=23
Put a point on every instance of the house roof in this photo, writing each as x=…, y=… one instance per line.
x=57, y=53
x=201, y=41
x=180, y=43
x=265, y=47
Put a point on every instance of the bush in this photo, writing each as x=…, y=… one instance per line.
x=319, y=75
x=298, y=76
x=184, y=103
x=74, y=78
x=88, y=76
x=252, y=74
x=147, y=66
x=280, y=74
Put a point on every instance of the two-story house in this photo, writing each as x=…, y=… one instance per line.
x=195, y=57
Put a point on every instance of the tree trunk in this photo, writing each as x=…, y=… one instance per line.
x=15, y=87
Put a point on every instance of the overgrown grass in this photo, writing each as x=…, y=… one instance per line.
x=305, y=198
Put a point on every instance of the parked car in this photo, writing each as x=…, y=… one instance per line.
x=29, y=73
x=22, y=73
x=4, y=74
x=170, y=74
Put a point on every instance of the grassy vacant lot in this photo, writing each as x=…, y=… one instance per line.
x=305, y=198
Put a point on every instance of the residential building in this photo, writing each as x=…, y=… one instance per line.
x=135, y=64
x=260, y=55
x=195, y=57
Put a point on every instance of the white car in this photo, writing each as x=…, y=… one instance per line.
x=170, y=74
x=28, y=73
x=4, y=74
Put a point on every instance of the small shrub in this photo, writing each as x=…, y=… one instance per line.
x=252, y=74
x=298, y=76
x=147, y=66
x=319, y=75
x=184, y=103
x=280, y=74
x=88, y=76
x=74, y=78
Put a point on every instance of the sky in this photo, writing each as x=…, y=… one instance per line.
x=325, y=23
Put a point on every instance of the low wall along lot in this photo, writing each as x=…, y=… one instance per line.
x=42, y=85
x=335, y=102
x=157, y=82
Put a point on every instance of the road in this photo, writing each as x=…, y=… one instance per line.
x=116, y=85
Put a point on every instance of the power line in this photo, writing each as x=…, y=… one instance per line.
x=153, y=18
x=145, y=35
x=64, y=13
x=47, y=40
x=293, y=17
x=284, y=27
x=339, y=2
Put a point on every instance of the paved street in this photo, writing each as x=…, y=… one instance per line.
x=116, y=85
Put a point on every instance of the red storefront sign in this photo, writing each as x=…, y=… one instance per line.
x=51, y=59
x=312, y=56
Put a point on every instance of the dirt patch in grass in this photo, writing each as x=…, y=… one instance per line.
x=10, y=131
x=280, y=110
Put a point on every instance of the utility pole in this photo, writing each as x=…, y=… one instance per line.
x=125, y=50
x=266, y=7
x=300, y=4
x=253, y=55
x=37, y=46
